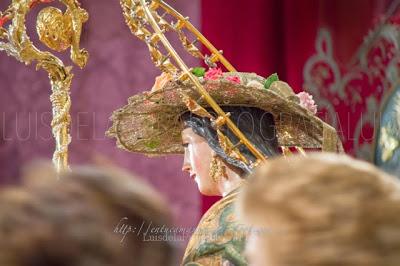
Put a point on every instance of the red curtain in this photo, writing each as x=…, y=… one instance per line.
x=267, y=36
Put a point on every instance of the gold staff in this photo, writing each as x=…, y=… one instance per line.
x=58, y=31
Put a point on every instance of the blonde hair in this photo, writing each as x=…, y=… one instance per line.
x=324, y=209
x=72, y=221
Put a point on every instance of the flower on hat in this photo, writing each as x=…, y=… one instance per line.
x=213, y=74
x=307, y=101
x=234, y=79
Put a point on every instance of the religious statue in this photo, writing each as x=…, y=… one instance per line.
x=225, y=124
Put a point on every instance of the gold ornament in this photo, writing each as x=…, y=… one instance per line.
x=54, y=28
x=217, y=169
x=58, y=31
x=144, y=20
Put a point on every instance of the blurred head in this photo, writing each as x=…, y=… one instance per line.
x=322, y=209
x=201, y=143
x=87, y=218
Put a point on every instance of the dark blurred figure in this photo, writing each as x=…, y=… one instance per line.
x=322, y=210
x=89, y=217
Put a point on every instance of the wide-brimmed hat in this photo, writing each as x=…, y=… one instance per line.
x=150, y=122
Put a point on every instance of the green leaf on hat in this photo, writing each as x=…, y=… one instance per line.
x=272, y=78
x=199, y=71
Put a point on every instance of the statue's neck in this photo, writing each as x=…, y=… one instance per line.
x=227, y=185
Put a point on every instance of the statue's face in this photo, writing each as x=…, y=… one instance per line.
x=197, y=161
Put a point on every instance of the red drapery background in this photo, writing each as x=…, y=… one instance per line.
x=267, y=36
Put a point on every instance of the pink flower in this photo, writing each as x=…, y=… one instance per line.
x=307, y=101
x=213, y=74
x=234, y=79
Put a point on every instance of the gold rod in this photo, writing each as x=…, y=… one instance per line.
x=201, y=37
x=200, y=88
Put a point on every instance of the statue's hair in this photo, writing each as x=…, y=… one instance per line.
x=76, y=221
x=324, y=209
x=257, y=125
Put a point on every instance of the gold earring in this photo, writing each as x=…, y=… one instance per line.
x=217, y=169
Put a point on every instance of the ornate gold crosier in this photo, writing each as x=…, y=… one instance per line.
x=59, y=31
x=148, y=25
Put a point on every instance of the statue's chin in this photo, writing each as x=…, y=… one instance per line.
x=206, y=191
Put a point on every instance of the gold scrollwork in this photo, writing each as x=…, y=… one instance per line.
x=58, y=31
